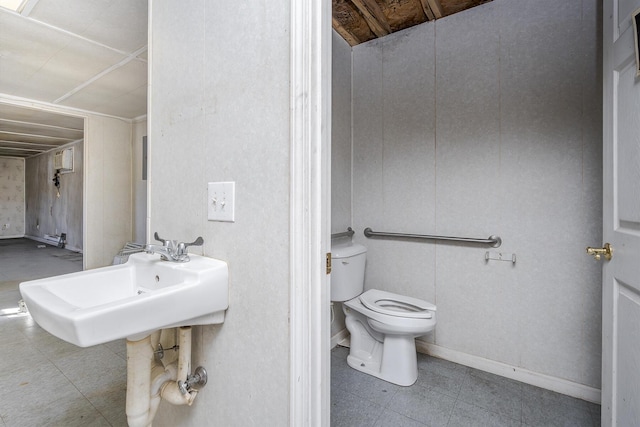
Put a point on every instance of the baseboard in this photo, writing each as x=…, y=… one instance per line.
x=17, y=236
x=48, y=242
x=339, y=337
x=548, y=382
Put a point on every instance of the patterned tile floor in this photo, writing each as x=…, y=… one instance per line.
x=448, y=394
x=45, y=381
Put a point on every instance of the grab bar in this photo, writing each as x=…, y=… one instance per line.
x=347, y=233
x=494, y=241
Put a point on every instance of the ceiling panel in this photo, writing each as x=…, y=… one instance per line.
x=23, y=114
x=14, y=127
x=80, y=53
x=25, y=47
x=133, y=100
x=10, y=139
x=108, y=93
x=125, y=79
x=78, y=61
x=56, y=77
x=25, y=132
x=7, y=152
x=121, y=24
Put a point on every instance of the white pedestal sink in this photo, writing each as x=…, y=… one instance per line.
x=129, y=300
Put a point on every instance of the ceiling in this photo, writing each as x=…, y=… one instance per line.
x=89, y=55
x=26, y=132
x=358, y=21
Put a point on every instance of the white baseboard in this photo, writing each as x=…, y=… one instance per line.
x=48, y=242
x=339, y=337
x=17, y=236
x=548, y=382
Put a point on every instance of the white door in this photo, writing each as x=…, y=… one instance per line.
x=621, y=223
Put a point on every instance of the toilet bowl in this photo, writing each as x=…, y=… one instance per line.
x=383, y=325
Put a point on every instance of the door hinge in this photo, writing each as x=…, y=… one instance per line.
x=328, y=262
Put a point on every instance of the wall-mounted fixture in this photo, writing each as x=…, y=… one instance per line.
x=63, y=160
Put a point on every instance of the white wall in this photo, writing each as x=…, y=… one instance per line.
x=12, y=197
x=340, y=135
x=48, y=213
x=489, y=122
x=219, y=111
x=107, y=189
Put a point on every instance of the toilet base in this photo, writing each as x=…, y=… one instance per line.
x=394, y=359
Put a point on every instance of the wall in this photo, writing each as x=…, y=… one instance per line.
x=108, y=211
x=46, y=213
x=219, y=111
x=340, y=135
x=489, y=122
x=11, y=197
x=340, y=151
x=139, y=185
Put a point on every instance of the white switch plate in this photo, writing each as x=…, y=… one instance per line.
x=221, y=201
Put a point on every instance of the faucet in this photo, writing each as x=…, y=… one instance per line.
x=171, y=250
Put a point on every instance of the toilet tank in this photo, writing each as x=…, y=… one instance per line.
x=347, y=271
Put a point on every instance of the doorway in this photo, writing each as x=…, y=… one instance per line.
x=42, y=176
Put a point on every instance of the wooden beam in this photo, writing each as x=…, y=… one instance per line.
x=427, y=10
x=344, y=33
x=374, y=16
x=436, y=8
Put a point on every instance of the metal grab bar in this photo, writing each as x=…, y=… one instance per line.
x=494, y=241
x=347, y=233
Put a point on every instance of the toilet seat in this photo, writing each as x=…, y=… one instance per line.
x=397, y=305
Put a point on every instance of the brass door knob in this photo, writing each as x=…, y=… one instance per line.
x=597, y=253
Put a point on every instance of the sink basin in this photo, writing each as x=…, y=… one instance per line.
x=130, y=300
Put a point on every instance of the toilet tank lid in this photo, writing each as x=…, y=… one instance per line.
x=346, y=250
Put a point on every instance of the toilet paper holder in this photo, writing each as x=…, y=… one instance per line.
x=499, y=256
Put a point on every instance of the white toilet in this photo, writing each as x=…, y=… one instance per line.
x=383, y=325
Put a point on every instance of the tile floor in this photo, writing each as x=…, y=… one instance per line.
x=45, y=381
x=48, y=382
x=448, y=394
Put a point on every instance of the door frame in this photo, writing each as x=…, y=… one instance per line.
x=310, y=138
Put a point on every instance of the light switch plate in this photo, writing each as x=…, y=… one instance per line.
x=221, y=201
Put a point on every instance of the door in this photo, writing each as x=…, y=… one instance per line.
x=621, y=222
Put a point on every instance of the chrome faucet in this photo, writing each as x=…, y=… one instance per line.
x=172, y=250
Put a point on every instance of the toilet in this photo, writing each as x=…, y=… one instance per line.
x=383, y=325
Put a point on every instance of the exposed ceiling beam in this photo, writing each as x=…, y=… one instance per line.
x=436, y=8
x=344, y=33
x=374, y=16
x=427, y=10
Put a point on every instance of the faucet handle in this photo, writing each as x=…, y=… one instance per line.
x=198, y=242
x=155, y=236
x=182, y=247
